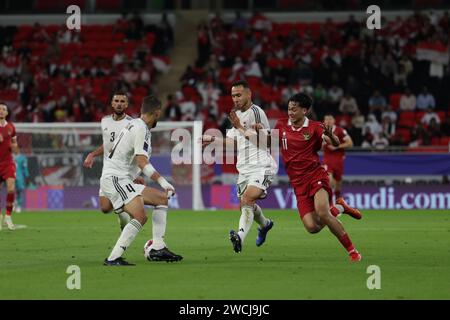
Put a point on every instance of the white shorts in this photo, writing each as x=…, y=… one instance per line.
x=261, y=179
x=120, y=191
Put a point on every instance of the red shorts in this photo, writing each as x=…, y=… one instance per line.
x=336, y=168
x=7, y=171
x=305, y=191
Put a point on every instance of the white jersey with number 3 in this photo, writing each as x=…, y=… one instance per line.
x=110, y=131
x=134, y=139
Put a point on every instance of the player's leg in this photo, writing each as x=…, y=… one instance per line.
x=248, y=201
x=337, y=177
x=311, y=221
x=20, y=187
x=10, y=196
x=322, y=208
x=340, y=205
x=107, y=207
x=136, y=209
x=2, y=220
x=158, y=249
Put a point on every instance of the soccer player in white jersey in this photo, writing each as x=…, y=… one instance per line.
x=111, y=127
x=255, y=165
x=128, y=157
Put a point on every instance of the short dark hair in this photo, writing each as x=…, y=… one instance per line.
x=302, y=99
x=329, y=114
x=239, y=83
x=150, y=104
x=119, y=93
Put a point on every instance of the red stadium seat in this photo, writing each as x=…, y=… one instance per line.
x=419, y=115
x=407, y=119
x=435, y=141
x=394, y=100
x=444, y=141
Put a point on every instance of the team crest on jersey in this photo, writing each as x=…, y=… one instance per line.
x=306, y=136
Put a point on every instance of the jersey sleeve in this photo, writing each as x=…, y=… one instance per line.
x=264, y=121
x=13, y=129
x=231, y=133
x=141, y=141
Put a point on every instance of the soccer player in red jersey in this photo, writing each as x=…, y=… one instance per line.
x=333, y=157
x=8, y=144
x=300, y=140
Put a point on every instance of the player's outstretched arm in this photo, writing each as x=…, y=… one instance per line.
x=89, y=161
x=227, y=142
x=14, y=145
x=348, y=143
x=150, y=171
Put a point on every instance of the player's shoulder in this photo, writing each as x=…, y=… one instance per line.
x=257, y=110
x=107, y=118
x=129, y=118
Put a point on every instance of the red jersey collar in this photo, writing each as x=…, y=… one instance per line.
x=305, y=124
x=6, y=123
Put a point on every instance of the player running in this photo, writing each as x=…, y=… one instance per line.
x=8, y=145
x=300, y=140
x=111, y=127
x=255, y=165
x=128, y=156
x=22, y=175
x=333, y=157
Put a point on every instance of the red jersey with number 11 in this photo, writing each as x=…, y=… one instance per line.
x=299, y=149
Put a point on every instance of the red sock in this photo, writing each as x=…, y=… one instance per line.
x=347, y=243
x=337, y=193
x=9, y=203
x=334, y=211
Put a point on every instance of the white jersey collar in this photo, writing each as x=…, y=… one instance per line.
x=305, y=124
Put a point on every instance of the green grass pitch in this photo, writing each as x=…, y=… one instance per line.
x=412, y=249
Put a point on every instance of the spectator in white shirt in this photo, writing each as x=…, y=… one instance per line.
x=430, y=114
x=348, y=104
x=407, y=101
x=372, y=124
x=425, y=100
x=335, y=94
x=391, y=114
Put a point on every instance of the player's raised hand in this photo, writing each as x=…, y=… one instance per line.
x=234, y=119
x=257, y=126
x=327, y=130
x=170, y=193
x=89, y=161
x=206, y=140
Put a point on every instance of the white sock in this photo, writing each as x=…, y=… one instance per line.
x=126, y=238
x=245, y=222
x=259, y=216
x=124, y=218
x=339, y=207
x=159, y=222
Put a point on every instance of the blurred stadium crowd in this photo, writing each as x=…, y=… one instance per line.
x=387, y=87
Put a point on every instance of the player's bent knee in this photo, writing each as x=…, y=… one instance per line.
x=141, y=218
x=312, y=228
